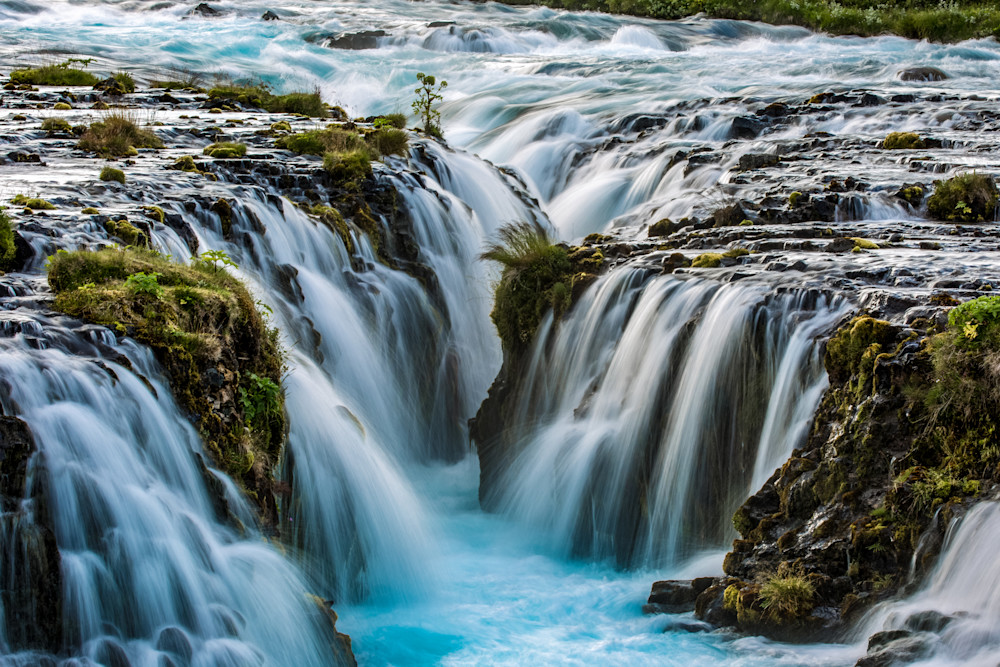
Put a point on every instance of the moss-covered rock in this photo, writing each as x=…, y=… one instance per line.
x=226, y=150
x=968, y=197
x=903, y=141
x=221, y=359
x=112, y=174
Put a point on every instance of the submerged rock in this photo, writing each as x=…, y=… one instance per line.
x=922, y=74
x=357, y=41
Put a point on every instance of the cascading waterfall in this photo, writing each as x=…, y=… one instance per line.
x=147, y=569
x=654, y=410
x=650, y=412
x=955, y=618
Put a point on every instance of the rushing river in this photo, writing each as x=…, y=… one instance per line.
x=386, y=488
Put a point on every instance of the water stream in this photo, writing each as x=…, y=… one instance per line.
x=653, y=410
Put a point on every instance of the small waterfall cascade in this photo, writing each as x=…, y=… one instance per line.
x=955, y=618
x=658, y=405
x=146, y=570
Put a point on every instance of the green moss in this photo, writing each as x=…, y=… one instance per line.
x=198, y=320
x=281, y=126
x=226, y=150
x=8, y=250
x=707, y=260
x=61, y=106
x=118, y=135
x=53, y=75
x=333, y=219
x=968, y=197
x=156, y=213
x=90, y=210
x=664, y=227
x=903, y=141
x=56, y=125
x=112, y=174
x=34, y=203
x=852, y=350
x=396, y=120
x=127, y=232
x=793, y=199
x=863, y=243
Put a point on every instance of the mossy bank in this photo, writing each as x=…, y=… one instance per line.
x=222, y=360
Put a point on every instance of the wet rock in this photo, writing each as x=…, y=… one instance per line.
x=203, y=9
x=174, y=640
x=775, y=110
x=111, y=86
x=440, y=24
x=674, y=261
x=928, y=621
x=30, y=580
x=357, y=41
x=20, y=156
x=270, y=16
x=639, y=122
x=757, y=161
x=922, y=74
x=746, y=127
x=893, y=647
x=677, y=596
x=869, y=100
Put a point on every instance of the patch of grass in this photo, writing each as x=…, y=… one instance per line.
x=118, y=135
x=537, y=277
x=388, y=141
x=319, y=142
x=226, y=150
x=787, y=597
x=112, y=174
x=53, y=75
x=396, y=120
x=348, y=166
x=199, y=321
x=259, y=95
x=126, y=81
x=968, y=197
x=34, y=203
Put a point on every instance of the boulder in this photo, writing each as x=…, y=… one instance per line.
x=270, y=16
x=357, y=41
x=922, y=74
x=758, y=161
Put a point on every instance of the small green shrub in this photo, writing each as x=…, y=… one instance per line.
x=145, y=283
x=968, y=197
x=427, y=98
x=112, y=174
x=226, y=149
x=258, y=94
x=61, y=106
x=978, y=321
x=903, y=141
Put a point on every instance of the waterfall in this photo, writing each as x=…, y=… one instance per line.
x=148, y=569
x=656, y=407
x=955, y=618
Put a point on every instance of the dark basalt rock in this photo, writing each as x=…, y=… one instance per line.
x=758, y=161
x=894, y=647
x=30, y=580
x=676, y=596
x=746, y=127
x=270, y=16
x=922, y=74
x=357, y=41
x=205, y=10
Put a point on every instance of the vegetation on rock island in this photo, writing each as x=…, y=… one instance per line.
x=918, y=19
x=61, y=74
x=222, y=360
x=906, y=435
x=538, y=276
x=968, y=197
x=258, y=95
x=118, y=134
